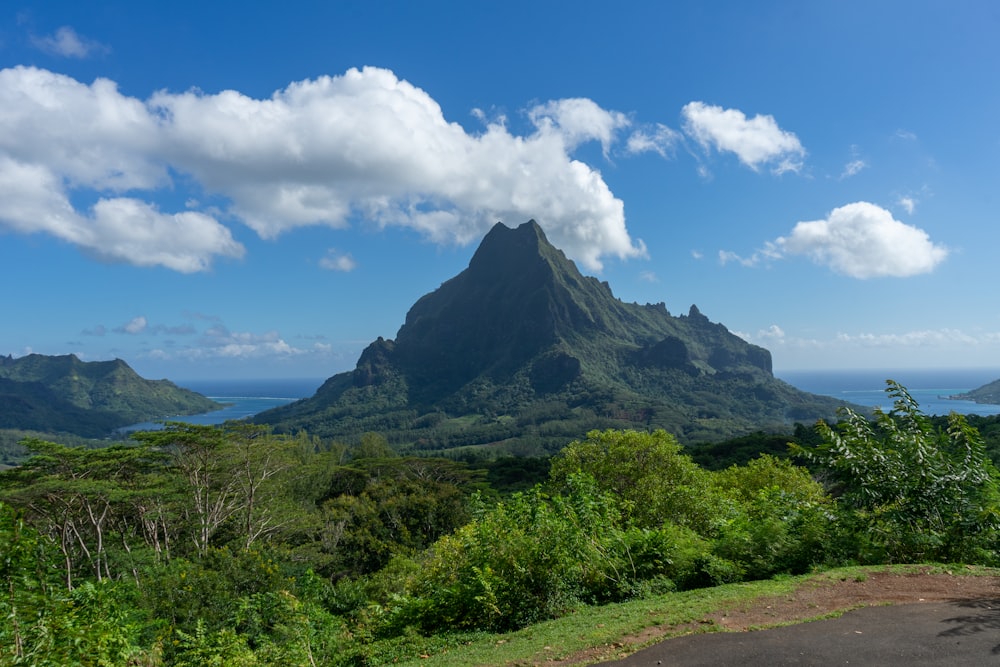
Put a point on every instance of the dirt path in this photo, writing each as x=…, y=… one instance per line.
x=814, y=599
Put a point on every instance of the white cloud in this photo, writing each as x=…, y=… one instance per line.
x=855, y=166
x=909, y=204
x=58, y=137
x=336, y=261
x=366, y=144
x=67, y=43
x=919, y=338
x=649, y=277
x=134, y=326
x=218, y=342
x=769, y=252
x=859, y=240
x=660, y=139
x=773, y=335
x=756, y=141
x=862, y=240
x=852, y=168
x=328, y=151
x=578, y=120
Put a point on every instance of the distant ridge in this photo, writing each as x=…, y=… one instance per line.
x=61, y=394
x=988, y=394
x=520, y=353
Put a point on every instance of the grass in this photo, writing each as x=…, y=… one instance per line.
x=600, y=631
x=586, y=629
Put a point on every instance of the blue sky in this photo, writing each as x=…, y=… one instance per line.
x=247, y=190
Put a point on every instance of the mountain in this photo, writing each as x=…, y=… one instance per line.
x=988, y=393
x=61, y=394
x=521, y=353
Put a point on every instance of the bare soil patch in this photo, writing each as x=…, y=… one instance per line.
x=817, y=598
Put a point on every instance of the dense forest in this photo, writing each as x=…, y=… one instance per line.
x=233, y=545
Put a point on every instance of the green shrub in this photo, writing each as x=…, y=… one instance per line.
x=908, y=491
x=653, y=481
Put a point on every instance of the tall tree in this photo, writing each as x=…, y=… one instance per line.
x=82, y=497
x=201, y=456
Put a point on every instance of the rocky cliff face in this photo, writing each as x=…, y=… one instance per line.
x=520, y=328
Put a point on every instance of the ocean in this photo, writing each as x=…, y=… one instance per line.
x=930, y=388
x=243, y=398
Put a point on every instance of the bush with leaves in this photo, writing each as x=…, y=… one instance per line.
x=526, y=559
x=779, y=521
x=654, y=481
x=42, y=623
x=910, y=492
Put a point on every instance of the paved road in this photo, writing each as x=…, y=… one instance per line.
x=930, y=633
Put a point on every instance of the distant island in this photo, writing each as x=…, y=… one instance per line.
x=988, y=394
x=61, y=394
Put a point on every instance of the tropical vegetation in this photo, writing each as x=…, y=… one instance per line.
x=520, y=353
x=233, y=545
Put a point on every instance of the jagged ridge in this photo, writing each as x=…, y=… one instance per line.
x=522, y=332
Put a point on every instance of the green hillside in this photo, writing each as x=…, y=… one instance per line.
x=61, y=394
x=520, y=353
x=988, y=393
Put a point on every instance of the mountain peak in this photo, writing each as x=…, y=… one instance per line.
x=505, y=253
x=521, y=338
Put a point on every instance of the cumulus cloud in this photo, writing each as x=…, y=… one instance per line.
x=336, y=261
x=756, y=141
x=218, y=341
x=328, y=151
x=862, y=240
x=59, y=137
x=859, y=240
x=908, y=204
x=67, y=43
x=578, y=120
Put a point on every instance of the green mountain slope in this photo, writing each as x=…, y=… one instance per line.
x=61, y=394
x=521, y=353
x=988, y=393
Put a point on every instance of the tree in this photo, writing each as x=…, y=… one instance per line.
x=260, y=458
x=199, y=454
x=81, y=498
x=912, y=491
x=779, y=518
x=45, y=624
x=647, y=472
x=381, y=507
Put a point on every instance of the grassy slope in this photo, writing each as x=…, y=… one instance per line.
x=598, y=632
